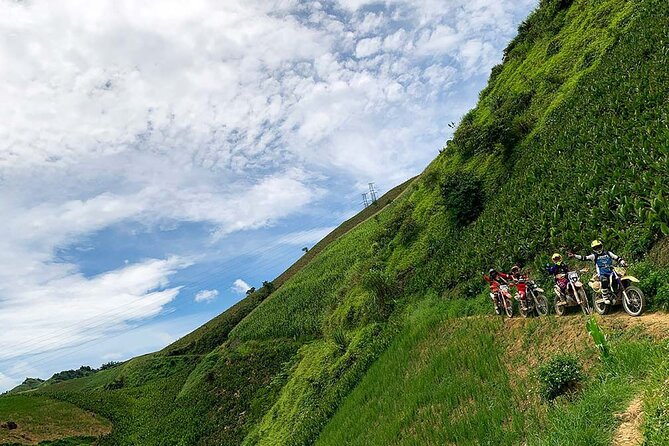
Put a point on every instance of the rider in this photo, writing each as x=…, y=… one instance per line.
x=520, y=278
x=559, y=267
x=495, y=278
x=604, y=264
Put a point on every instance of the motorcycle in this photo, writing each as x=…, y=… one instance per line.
x=502, y=300
x=622, y=290
x=535, y=300
x=575, y=295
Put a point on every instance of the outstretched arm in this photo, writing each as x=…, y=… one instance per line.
x=580, y=257
x=618, y=259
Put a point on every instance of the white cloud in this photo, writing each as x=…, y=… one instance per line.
x=60, y=307
x=206, y=295
x=8, y=383
x=230, y=114
x=368, y=47
x=241, y=287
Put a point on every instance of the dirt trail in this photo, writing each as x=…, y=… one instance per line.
x=629, y=432
x=655, y=324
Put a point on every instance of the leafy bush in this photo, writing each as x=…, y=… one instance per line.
x=384, y=289
x=109, y=365
x=408, y=231
x=559, y=376
x=463, y=196
x=118, y=383
x=654, y=283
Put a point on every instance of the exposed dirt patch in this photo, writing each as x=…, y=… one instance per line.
x=629, y=432
x=542, y=338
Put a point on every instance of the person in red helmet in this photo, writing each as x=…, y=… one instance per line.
x=495, y=278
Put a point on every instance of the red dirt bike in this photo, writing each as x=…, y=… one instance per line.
x=535, y=300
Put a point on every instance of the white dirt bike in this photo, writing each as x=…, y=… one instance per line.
x=575, y=294
x=622, y=291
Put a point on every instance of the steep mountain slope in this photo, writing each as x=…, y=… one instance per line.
x=569, y=142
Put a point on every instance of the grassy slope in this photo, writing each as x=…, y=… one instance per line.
x=579, y=105
x=470, y=381
x=215, y=332
x=41, y=419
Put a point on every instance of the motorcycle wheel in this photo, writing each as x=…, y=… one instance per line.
x=559, y=309
x=585, y=303
x=508, y=307
x=634, y=301
x=541, y=305
x=601, y=307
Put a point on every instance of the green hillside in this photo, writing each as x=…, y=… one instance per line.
x=42, y=420
x=378, y=338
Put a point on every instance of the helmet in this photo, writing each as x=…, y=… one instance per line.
x=597, y=246
x=556, y=258
x=515, y=269
x=492, y=272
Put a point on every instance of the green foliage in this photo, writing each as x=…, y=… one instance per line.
x=72, y=374
x=109, y=365
x=440, y=382
x=215, y=332
x=598, y=337
x=41, y=418
x=316, y=386
x=568, y=143
x=384, y=289
x=118, y=383
x=561, y=375
x=656, y=426
x=340, y=339
x=27, y=384
x=654, y=282
x=311, y=293
x=463, y=196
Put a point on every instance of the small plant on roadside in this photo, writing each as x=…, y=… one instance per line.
x=561, y=375
x=597, y=335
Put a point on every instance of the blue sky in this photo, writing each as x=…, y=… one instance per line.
x=158, y=157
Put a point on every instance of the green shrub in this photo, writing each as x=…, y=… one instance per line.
x=654, y=283
x=408, y=232
x=559, y=376
x=118, y=383
x=553, y=48
x=384, y=290
x=463, y=196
